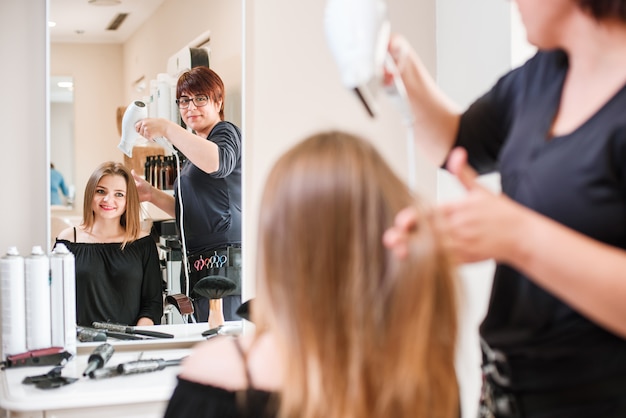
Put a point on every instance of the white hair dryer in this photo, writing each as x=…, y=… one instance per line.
x=357, y=32
x=135, y=112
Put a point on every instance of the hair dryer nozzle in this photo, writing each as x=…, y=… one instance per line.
x=136, y=111
x=366, y=97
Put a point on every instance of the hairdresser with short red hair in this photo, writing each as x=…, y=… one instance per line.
x=210, y=183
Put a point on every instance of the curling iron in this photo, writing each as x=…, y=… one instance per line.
x=134, y=367
x=99, y=358
x=85, y=334
x=130, y=330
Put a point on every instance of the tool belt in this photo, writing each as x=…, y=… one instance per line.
x=224, y=261
x=499, y=400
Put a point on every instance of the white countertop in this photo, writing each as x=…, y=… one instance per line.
x=185, y=336
x=86, y=392
x=119, y=390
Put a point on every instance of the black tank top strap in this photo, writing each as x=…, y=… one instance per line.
x=74, y=234
x=244, y=359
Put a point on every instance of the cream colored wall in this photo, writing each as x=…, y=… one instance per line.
x=170, y=29
x=97, y=73
x=293, y=89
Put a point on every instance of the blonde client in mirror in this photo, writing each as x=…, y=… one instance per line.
x=343, y=328
x=118, y=275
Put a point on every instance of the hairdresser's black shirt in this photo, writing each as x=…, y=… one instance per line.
x=577, y=179
x=212, y=202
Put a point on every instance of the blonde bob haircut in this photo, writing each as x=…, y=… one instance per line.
x=130, y=220
x=362, y=333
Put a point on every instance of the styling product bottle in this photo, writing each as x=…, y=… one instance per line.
x=63, y=298
x=37, y=274
x=13, y=302
x=148, y=169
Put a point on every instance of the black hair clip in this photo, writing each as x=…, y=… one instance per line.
x=50, y=380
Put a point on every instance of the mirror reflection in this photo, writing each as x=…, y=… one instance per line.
x=111, y=72
x=62, y=188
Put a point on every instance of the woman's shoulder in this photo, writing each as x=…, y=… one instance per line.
x=67, y=234
x=143, y=234
x=226, y=127
x=144, y=240
x=218, y=362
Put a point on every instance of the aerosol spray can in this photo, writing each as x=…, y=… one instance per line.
x=12, y=300
x=63, y=298
x=38, y=327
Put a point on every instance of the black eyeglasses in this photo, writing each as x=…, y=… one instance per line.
x=199, y=101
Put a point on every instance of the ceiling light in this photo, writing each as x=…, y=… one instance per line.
x=105, y=2
x=65, y=84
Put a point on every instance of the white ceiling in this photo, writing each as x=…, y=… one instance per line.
x=80, y=21
x=77, y=21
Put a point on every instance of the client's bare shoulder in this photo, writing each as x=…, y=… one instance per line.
x=217, y=362
x=67, y=234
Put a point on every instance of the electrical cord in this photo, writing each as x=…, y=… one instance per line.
x=398, y=95
x=182, y=229
x=166, y=144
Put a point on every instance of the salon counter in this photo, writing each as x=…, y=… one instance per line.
x=142, y=395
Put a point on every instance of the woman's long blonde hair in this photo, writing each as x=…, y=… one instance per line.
x=362, y=333
x=130, y=220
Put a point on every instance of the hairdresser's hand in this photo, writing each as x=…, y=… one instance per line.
x=144, y=189
x=481, y=225
x=401, y=53
x=151, y=128
x=397, y=237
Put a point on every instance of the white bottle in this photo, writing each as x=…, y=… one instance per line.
x=63, y=298
x=38, y=326
x=13, y=303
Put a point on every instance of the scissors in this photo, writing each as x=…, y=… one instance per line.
x=216, y=261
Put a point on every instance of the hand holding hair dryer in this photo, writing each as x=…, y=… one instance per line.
x=135, y=112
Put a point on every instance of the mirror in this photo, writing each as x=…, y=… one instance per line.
x=62, y=137
x=107, y=73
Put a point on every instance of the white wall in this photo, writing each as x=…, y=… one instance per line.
x=169, y=29
x=24, y=164
x=293, y=89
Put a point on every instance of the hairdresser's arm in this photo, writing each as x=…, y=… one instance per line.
x=436, y=117
x=143, y=321
x=586, y=274
x=159, y=198
x=202, y=153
